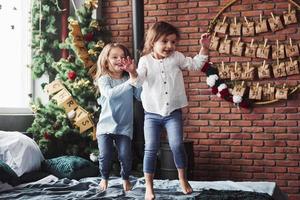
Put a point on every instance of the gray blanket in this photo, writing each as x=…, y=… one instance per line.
x=87, y=188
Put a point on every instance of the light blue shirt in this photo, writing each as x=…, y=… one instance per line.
x=116, y=103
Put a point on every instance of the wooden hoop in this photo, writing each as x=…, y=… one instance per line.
x=212, y=24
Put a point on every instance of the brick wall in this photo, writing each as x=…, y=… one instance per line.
x=261, y=144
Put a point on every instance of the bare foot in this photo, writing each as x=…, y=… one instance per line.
x=127, y=185
x=149, y=195
x=103, y=184
x=186, y=188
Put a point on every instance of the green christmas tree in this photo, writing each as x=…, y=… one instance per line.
x=54, y=128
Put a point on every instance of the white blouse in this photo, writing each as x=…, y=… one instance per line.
x=162, y=81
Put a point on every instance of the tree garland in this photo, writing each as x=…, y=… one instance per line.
x=57, y=129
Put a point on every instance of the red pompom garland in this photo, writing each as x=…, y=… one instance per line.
x=219, y=88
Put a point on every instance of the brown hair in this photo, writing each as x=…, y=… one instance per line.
x=102, y=62
x=156, y=31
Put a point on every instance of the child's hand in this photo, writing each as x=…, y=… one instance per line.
x=128, y=65
x=205, y=40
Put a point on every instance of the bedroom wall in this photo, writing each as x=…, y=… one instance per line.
x=260, y=144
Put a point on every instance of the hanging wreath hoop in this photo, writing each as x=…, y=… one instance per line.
x=213, y=23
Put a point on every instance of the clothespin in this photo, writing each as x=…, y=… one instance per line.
x=265, y=44
x=246, y=20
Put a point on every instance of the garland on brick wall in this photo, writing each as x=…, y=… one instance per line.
x=220, y=88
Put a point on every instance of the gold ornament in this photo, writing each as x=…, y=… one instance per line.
x=91, y=3
x=95, y=24
x=100, y=44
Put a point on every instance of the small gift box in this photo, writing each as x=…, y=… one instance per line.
x=236, y=73
x=292, y=67
x=261, y=26
x=248, y=28
x=268, y=92
x=264, y=71
x=250, y=50
x=263, y=51
x=237, y=48
x=291, y=50
x=278, y=51
x=221, y=27
x=275, y=23
x=239, y=89
x=281, y=93
x=235, y=28
x=279, y=69
x=290, y=16
x=214, y=43
x=224, y=71
x=248, y=72
x=225, y=46
x=255, y=92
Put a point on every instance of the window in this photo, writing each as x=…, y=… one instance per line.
x=15, y=77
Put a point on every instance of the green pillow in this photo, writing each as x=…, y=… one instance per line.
x=7, y=175
x=72, y=167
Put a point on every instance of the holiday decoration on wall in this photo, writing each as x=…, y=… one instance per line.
x=273, y=59
x=68, y=120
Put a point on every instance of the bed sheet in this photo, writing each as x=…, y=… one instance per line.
x=53, y=188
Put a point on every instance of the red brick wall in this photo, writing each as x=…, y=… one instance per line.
x=261, y=144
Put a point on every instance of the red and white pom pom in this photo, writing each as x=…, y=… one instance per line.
x=237, y=99
x=222, y=87
x=211, y=80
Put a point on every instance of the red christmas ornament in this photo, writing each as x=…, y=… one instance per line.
x=71, y=75
x=89, y=36
x=46, y=136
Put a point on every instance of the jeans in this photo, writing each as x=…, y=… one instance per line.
x=106, y=144
x=153, y=125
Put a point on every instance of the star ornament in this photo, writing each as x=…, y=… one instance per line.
x=91, y=3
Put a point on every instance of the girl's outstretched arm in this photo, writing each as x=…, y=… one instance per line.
x=204, y=41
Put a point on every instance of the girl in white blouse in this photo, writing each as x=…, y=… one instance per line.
x=163, y=95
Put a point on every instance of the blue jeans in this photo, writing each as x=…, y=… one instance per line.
x=152, y=130
x=106, y=145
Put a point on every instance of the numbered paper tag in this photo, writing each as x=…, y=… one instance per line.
x=268, y=93
x=261, y=27
x=275, y=23
x=292, y=67
x=281, y=93
x=255, y=92
x=279, y=70
x=290, y=17
x=264, y=71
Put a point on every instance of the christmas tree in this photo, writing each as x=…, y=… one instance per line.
x=66, y=124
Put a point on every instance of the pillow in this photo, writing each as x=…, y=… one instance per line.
x=72, y=167
x=20, y=152
x=7, y=175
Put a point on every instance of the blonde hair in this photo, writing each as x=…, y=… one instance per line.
x=156, y=31
x=102, y=62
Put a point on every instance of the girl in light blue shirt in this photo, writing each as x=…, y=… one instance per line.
x=115, y=125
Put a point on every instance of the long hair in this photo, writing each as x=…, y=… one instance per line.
x=156, y=31
x=102, y=62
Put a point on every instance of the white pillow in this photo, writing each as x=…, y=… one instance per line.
x=20, y=152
